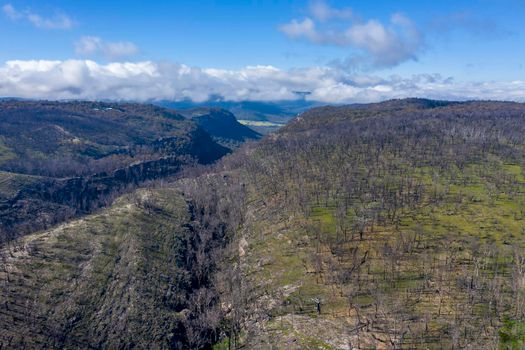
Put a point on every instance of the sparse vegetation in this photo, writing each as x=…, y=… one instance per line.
x=402, y=218
x=387, y=226
x=61, y=160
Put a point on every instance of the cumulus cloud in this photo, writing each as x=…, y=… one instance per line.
x=385, y=45
x=93, y=46
x=58, y=21
x=144, y=81
x=302, y=29
x=321, y=11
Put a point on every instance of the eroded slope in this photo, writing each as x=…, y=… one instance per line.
x=112, y=279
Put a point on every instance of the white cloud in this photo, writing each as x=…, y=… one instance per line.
x=388, y=46
x=89, y=46
x=143, y=81
x=301, y=29
x=11, y=12
x=58, y=21
x=321, y=11
x=385, y=45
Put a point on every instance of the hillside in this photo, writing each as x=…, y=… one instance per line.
x=61, y=159
x=396, y=225
x=112, y=279
x=262, y=116
x=62, y=139
x=221, y=125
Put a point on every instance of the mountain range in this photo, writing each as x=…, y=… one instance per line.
x=61, y=159
x=395, y=225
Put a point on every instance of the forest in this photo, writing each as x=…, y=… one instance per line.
x=396, y=225
x=60, y=160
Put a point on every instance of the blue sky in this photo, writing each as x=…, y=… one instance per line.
x=341, y=51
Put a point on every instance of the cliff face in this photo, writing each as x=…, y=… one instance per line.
x=223, y=124
x=198, y=144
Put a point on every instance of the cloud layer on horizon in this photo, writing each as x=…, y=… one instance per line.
x=148, y=80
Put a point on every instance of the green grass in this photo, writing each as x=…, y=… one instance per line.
x=515, y=170
x=476, y=209
x=5, y=152
x=325, y=216
x=512, y=335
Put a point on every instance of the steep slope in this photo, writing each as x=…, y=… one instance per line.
x=62, y=139
x=261, y=116
x=389, y=226
x=114, y=279
x=64, y=159
x=222, y=125
x=370, y=227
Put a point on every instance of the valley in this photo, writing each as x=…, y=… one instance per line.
x=395, y=225
x=262, y=175
x=61, y=160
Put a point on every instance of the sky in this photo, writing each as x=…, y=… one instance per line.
x=329, y=51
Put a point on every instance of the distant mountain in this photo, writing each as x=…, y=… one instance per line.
x=222, y=125
x=261, y=116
